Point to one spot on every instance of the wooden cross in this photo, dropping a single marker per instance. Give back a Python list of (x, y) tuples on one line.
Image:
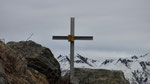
[(71, 38)]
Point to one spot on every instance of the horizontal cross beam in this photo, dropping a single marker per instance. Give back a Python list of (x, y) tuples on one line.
[(83, 37), (60, 37), (75, 37)]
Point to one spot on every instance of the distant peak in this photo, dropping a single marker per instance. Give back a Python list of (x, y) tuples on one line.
[(134, 57)]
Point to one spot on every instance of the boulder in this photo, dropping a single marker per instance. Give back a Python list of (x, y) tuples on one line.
[(39, 58), (99, 76), (14, 70)]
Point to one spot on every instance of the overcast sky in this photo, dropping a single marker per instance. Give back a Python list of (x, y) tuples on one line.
[(121, 28)]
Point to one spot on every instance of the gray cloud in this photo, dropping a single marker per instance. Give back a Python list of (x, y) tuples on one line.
[(120, 26)]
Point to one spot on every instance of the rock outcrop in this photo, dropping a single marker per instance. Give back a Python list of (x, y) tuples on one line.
[(39, 58), (14, 70), (99, 76), (27, 62)]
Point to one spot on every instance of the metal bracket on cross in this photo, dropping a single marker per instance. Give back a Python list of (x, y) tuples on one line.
[(71, 38)]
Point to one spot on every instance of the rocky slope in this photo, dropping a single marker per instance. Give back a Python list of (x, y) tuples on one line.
[(135, 68), (27, 62), (99, 76)]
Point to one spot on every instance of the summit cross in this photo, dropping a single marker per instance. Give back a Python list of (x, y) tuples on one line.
[(71, 38)]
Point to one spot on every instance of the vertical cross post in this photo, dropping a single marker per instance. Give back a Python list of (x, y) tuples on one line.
[(72, 50)]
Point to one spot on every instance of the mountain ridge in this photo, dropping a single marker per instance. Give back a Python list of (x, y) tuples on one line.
[(135, 68)]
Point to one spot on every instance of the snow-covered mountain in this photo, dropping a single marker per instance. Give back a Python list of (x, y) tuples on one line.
[(136, 68)]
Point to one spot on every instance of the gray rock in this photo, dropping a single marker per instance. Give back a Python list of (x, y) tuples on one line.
[(39, 58), (3, 81), (99, 76), (2, 71)]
